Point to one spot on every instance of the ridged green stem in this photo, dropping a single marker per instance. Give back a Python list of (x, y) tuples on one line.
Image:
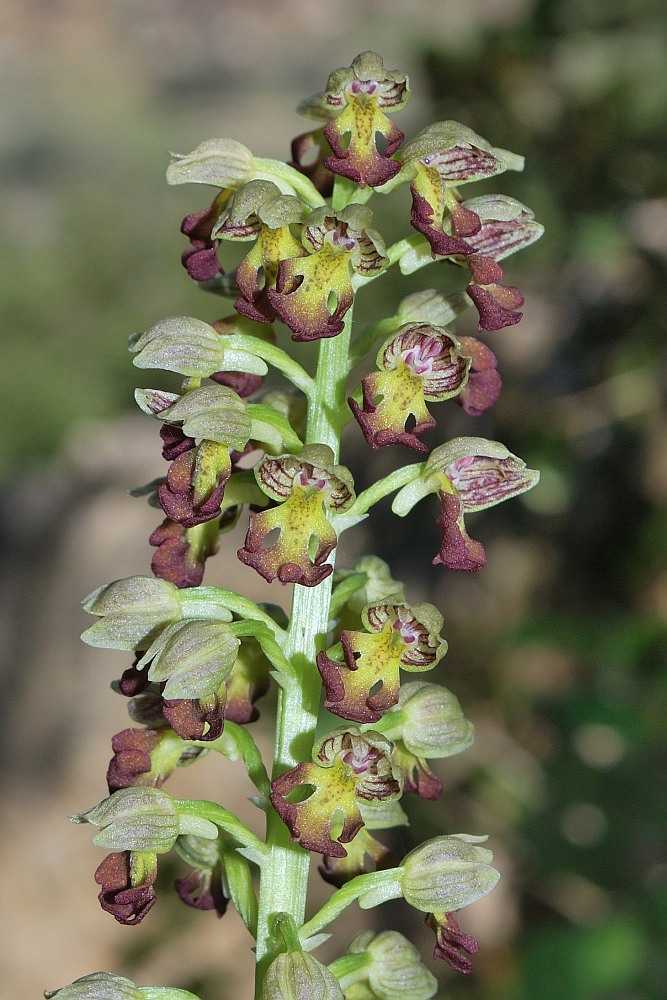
[(284, 876)]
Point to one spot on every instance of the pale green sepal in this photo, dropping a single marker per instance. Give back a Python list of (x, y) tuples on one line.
[(429, 720), (512, 161), (430, 306), (311, 943), (136, 595), (165, 993), (415, 256), (212, 413), (252, 854), (128, 632), (297, 975), (224, 163), (132, 612), (273, 429), (134, 819), (395, 970), (193, 657), (234, 360), (410, 495), (96, 986), (446, 873), (179, 344), (288, 180), (381, 888), (154, 401), (196, 826)]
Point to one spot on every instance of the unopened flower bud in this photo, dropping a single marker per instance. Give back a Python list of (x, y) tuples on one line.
[(142, 819), (105, 986), (131, 612), (96, 986), (447, 873), (297, 975), (394, 969), (430, 721), (193, 657)]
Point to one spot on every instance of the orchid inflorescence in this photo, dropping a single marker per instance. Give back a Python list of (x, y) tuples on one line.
[(204, 656)]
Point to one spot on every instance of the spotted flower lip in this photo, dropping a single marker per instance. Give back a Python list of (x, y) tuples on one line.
[(398, 637), (442, 157), (307, 486), (348, 768), (260, 211), (314, 291), (467, 474), (420, 362), (355, 104)]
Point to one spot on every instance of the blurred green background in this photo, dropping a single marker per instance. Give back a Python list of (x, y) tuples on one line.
[(557, 651)]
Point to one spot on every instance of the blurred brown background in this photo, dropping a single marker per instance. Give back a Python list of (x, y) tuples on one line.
[(556, 649)]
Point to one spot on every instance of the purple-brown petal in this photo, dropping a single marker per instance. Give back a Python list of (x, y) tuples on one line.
[(127, 903), (451, 942), (457, 550), (189, 717), (484, 382), (132, 757), (202, 890)]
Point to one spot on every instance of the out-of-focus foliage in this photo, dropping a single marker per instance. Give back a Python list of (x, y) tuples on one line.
[(579, 684)]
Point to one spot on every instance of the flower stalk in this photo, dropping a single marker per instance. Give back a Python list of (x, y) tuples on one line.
[(204, 656)]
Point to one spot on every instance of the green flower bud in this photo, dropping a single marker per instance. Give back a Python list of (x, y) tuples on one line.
[(131, 611), (142, 819), (299, 976), (96, 986), (190, 347), (224, 163), (193, 657), (430, 721), (394, 968), (105, 986), (447, 873)]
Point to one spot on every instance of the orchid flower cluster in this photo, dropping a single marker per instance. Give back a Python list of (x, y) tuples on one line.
[(352, 740)]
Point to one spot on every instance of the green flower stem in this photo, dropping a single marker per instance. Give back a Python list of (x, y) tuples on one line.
[(273, 356), (227, 821), (348, 894), (284, 878), (389, 484), (205, 602), (237, 741), (396, 250), (346, 966)]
